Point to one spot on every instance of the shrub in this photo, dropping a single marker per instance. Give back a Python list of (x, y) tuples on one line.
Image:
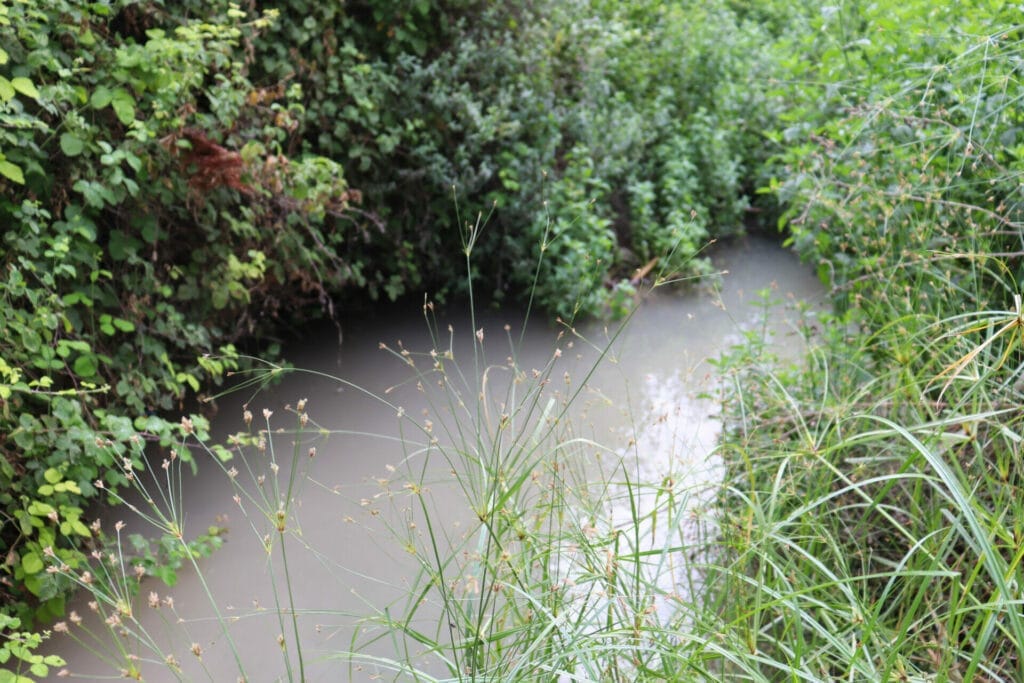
[(151, 222)]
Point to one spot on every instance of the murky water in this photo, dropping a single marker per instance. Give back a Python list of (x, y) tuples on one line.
[(352, 518)]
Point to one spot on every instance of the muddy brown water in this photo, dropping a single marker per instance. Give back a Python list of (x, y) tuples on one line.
[(350, 518)]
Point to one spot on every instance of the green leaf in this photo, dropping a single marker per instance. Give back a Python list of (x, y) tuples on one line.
[(25, 87), (71, 144), (122, 245), (39, 669), (85, 366), (6, 90), (124, 106), (31, 563), (52, 475), (11, 171), (3, 56), (40, 509), (100, 97)]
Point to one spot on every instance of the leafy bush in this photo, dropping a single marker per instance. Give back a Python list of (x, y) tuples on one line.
[(622, 118), (135, 250)]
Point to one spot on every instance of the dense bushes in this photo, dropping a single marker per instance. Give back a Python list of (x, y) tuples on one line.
[(151, 221), (616, 133)]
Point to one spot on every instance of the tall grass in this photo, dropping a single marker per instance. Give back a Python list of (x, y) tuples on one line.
[(871, 522)]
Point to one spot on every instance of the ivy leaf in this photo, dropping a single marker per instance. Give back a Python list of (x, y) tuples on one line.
[(71, 144)]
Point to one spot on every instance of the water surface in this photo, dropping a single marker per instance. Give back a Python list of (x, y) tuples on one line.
[(352, 517)]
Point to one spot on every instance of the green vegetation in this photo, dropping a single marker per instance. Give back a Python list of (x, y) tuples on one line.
[(181, 179)]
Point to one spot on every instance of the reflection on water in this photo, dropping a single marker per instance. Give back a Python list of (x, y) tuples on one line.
[(354, 520)]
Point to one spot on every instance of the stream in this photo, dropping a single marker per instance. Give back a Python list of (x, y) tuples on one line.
[(639, 410)]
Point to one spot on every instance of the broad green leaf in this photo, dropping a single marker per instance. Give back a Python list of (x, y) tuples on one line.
[(124, 325), (124, 106), (32, 563), (12, 172), (3, 56), (100, 97), (40, 509), (6, 90), (52, 475), (85, 366), (25, 87), (71, 144)]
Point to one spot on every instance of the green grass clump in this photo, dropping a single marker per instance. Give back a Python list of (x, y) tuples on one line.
[(872, 518)]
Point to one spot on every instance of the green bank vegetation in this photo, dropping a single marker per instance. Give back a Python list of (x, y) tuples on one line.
[(182, 179)]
